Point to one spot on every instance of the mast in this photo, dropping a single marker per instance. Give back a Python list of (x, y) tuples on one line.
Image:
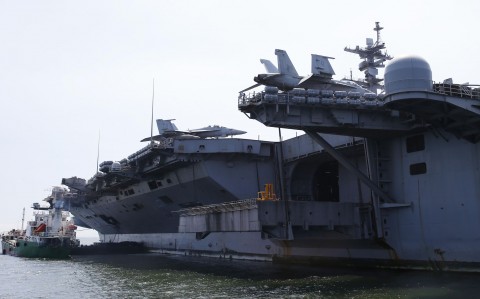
[(98, 151), (373, 59), (23, 218), (151, 120), (377, 29)]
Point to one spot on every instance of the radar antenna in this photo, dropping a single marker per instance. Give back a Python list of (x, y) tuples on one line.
[(373, 59), (377, 28), (151, 119), (98, 152)]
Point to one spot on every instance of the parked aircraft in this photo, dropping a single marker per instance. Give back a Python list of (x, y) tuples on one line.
[(286, 78), (167, 129)]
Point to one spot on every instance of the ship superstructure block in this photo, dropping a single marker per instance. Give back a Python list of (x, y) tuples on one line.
[(411, 103)]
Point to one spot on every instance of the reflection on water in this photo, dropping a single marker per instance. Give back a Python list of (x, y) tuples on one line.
[(160, 276)]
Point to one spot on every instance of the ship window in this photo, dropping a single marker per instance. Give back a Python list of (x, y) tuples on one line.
[(152, 185), (159, 183), (415, 143), (169, 181), (418, 168), (130, 191), (25, 244)]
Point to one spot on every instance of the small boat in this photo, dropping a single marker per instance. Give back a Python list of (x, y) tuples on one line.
[(50, 235)]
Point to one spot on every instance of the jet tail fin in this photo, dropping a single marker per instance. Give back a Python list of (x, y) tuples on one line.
[(321, 65), (285, 65), (269, 66), (164, 125)]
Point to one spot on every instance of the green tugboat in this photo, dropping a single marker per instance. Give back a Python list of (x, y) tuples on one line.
[(50, 235)]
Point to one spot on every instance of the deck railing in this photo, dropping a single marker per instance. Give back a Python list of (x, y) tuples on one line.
[(221, 207), (458, 90)]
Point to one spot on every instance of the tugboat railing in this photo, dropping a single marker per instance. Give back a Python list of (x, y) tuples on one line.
[(54, 235)]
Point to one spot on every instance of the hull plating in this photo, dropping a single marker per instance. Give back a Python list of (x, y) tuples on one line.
[(34, 250), (251, 246)]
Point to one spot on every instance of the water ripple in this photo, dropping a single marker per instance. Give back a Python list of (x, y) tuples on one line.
[(158, 276)]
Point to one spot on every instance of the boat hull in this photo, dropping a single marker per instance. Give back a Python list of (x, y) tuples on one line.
[(32, 249)]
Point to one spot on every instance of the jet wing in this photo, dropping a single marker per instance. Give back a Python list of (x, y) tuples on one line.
[(174, 133), (251, 87), (165, 134), (313, 81), (156, 138)]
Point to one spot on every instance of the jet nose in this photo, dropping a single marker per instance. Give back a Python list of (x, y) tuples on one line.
[(239, 132)]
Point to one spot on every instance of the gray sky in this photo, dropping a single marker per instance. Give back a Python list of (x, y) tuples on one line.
[(69, 69)]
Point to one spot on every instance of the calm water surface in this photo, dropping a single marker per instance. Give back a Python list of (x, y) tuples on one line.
[(161, 276)]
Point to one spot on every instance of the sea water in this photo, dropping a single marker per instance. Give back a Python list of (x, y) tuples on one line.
[(156, 275)]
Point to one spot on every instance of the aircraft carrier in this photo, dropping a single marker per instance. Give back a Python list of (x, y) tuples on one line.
[(386, 175)]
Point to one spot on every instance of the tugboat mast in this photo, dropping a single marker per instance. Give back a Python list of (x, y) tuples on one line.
[(373, 58), (23, 219)]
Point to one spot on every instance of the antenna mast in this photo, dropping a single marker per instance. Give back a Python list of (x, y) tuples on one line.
[(151, 121), (23, 219), (373, 58), (98, 151), (378, 28)]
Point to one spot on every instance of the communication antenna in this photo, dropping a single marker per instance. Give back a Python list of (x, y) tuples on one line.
[(98, 151), (23, 218), (151, 120), (373, 58), (377, 29)]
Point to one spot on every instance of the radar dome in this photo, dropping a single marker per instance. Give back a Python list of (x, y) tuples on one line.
[(408, 73)]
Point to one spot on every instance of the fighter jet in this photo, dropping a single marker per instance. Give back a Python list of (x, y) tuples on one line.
[(167, 129), (286, 78)]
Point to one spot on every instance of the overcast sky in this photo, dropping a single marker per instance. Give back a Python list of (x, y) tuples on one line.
[(72, 69)]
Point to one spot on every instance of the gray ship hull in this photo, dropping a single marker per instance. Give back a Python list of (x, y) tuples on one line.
[(396, 186), (329, 222)]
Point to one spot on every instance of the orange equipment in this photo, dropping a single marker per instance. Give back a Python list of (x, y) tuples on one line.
[(268, 194)]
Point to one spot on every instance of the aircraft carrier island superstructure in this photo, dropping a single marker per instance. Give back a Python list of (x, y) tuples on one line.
[(388, 179)]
